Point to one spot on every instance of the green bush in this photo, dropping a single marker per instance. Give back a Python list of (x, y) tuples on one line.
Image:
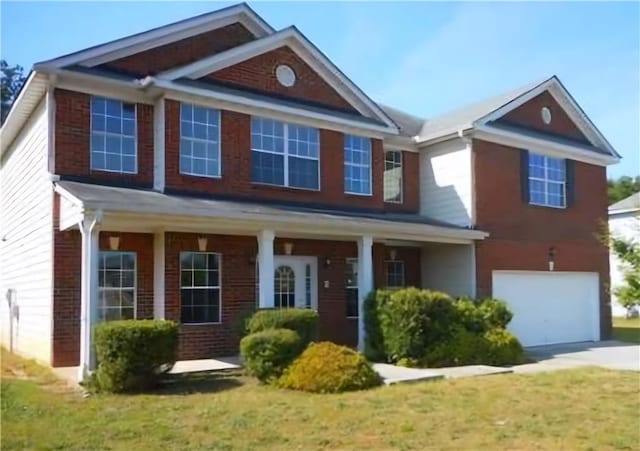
[(374, 304), (302, 321), (329, 368), (133, 354), (267, 353), (415, 319), (483, 315), (503, 348)]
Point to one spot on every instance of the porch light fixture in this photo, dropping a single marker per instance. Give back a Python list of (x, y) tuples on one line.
[(393, 254), (552, 258), (327, 262), (114, 243), (288, 248), (202, 243)]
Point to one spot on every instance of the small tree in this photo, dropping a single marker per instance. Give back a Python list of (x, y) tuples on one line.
[(628, 251)]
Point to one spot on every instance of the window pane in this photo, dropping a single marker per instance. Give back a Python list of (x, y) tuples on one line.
[(113, 134), (357, 164), (267, 168), (303, 173), (546, 180), (200, 281), (116, 285), (199, 146)]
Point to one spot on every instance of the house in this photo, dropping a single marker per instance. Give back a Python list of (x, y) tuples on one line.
[(198, 170), (624, 223)]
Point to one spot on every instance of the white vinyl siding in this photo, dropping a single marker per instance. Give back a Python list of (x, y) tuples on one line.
[(449, 268), (625, 226), (446, 182), (26, 228)]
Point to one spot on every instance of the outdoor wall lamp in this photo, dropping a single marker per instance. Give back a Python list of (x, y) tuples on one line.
[(202, 243), (393, 253), (114, 243), (288, 248), (327, 262), (552, 258)]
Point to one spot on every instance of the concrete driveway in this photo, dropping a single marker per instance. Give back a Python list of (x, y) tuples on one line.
[(613, 355)]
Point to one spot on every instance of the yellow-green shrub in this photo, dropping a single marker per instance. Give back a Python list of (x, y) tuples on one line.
[(329, 368)]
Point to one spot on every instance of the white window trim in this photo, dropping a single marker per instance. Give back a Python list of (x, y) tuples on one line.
[(135, 280), (547, 180), (386, 274), (193, 174), (285, 153), (353, 261), (360, 165), (135, 137), (401, 176), (219, 287)]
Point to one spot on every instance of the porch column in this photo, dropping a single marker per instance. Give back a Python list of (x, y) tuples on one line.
[(365, 281), (265, 268), (89, 229), (158, 274)]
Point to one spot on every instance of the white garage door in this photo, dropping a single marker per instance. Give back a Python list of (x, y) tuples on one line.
[(550, 307)]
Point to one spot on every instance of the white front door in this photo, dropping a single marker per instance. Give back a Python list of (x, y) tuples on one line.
[(295, 282)]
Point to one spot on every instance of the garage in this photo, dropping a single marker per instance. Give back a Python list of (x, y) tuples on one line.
[(550, 307)]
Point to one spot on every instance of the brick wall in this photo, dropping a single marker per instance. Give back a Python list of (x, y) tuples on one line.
[(258, 74), (521, 234), (185, 51), (529, 116), (72, 141)]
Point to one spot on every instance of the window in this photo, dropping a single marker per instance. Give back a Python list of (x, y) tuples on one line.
[(199, 287), (351, 286), (284, 290), (113, 135), (285, 154), (199, 141), (357, 165), (393, 176), (116, 286), (395, 273), (547, 181)]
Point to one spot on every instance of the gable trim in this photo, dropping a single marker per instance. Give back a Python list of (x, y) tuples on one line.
[(566, 102), (292, 38), (163, 35)]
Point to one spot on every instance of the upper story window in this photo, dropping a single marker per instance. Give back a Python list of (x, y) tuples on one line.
[(393, 176), (285, 154), (357, 165), (113, 136), (547, 181), (199, 141)]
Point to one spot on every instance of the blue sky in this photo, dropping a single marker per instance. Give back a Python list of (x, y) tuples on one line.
[(424, 58)]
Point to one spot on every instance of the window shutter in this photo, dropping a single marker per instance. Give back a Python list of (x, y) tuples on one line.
[(570, 182), (524, 175)]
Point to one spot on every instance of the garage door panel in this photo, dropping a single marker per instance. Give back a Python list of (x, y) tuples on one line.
[(550, 307)]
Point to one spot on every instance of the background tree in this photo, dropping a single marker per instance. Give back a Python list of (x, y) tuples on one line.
[(628, 251), (11, 80), (622, 187)]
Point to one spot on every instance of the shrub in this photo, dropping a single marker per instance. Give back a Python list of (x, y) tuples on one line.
[(267, 353), (483, 315), (374, 304), (415, 319), (302, 321), (503, 348), (329, 368), (133, 354)]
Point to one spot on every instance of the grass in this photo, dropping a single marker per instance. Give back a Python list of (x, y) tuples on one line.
[(575, 409), (626, 329)]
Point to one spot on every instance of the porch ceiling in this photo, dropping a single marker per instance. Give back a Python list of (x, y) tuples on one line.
[(126, 209)]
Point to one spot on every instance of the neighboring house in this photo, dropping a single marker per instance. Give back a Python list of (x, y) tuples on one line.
[(201, 169), (624, 223)]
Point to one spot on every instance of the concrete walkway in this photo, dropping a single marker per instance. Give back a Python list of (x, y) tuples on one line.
[(195, 366)]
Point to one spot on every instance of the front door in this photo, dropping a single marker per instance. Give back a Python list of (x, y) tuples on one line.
[(295, 282)]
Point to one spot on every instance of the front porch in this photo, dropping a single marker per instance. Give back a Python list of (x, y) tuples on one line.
[(208, 272)]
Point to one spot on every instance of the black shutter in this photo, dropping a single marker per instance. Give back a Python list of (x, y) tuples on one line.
[(524, 175), (570, 182)]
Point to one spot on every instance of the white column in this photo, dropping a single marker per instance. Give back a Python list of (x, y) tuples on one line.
[(89, 229), (265, 268), (365, 281), (158, 275)]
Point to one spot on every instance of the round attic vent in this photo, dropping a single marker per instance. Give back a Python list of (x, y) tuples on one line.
[(546, 115), (285, 75)]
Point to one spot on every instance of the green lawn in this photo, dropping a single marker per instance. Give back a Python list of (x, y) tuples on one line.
[(626, 329), (581, 409)]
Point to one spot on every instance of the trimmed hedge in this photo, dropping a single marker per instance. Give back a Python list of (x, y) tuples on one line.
[(329, 368), (483, 314), (302, 321), (267, 353), (133, 354), (374, 304)]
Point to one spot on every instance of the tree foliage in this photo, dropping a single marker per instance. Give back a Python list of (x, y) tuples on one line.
[(628, 251), (11, 80), (622, 187)]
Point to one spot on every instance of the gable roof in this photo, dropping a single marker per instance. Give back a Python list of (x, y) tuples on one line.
[(302, 47), (163, 35), (408, 124), (631, 203)]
